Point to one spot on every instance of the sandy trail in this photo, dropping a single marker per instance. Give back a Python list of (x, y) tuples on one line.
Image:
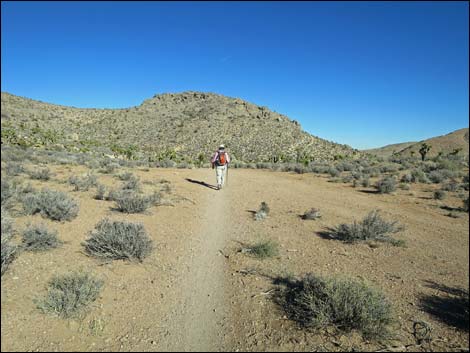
[(197, 322)]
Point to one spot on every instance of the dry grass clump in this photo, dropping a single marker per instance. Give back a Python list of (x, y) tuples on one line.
[(8, 251), (118, 240), (53, 204), (263, 249), (69, 294), (347, 304), (263, 211), (311, 214), (372, 227), (39, 238)]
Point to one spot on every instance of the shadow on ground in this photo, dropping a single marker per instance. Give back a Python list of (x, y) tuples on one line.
[(451, 307), (201, 183)]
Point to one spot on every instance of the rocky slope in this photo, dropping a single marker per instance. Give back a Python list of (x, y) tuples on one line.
[(445, 144), (186, 126)]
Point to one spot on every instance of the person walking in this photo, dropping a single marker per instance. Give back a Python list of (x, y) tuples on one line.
[(220, 162)]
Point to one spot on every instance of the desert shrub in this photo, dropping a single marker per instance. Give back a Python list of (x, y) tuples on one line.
[(40, 174), (38, 238), (389, 168), (53, 204), (8, 251), (372, 227), (125, 176), (436, 176), (345, 166), (69, 294), (313, 213), (451, 185), (347, 304), (347, 179), (404, 186), (133, 183), (7, 192), (131, 202), (83, 183), (386, 185), (365, 182), (14, 168), (333, 172), (100, 192), (118, 240), (263, 211), (439, 195), (465, 183), (7, 225), (448, 164), (418, 176), (264, 249), (406, 178)]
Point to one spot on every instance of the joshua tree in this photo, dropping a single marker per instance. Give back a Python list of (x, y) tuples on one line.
[(424, 150)]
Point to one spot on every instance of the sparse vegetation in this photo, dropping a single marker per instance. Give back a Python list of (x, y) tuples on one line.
[(131, 202), (263, 211), (439, 195), (40, 174), (118, 240), (263, 249), (53, 204), (8, 253), (39, 237), (372, 227), (69, 294), (317, 302), (313, 213)]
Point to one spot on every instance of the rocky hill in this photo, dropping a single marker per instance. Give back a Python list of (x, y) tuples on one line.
[(185, 126), (445, 144)]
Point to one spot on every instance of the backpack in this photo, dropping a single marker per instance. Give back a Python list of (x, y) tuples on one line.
[(221, 158)]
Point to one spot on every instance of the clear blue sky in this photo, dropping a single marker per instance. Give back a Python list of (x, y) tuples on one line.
[(362, 73)]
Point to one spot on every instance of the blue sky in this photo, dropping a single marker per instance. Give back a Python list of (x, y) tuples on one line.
[(362, 73)]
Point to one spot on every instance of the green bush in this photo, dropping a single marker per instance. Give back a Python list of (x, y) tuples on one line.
[(264, 249), (118, 240), (69, 294), (38, 238), (347, 304), (55, 205)]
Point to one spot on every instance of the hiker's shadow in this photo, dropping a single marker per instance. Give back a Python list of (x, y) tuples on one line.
[(201, 183)]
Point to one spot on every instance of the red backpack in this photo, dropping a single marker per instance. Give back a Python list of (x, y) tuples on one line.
[(221, 158)]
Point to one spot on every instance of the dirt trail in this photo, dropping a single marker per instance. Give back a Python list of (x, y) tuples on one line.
[(198, 320)]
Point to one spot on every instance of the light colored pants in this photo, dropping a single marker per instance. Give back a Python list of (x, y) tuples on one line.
[(221, 172)]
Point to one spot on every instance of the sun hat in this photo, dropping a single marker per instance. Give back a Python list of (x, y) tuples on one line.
[(221, 147)]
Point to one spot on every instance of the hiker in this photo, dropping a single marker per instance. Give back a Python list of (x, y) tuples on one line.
[(220, 162)]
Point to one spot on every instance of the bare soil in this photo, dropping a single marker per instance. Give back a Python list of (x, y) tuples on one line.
[(197, 292)]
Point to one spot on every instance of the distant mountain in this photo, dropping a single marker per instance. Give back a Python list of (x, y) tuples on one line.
[(445, 144), (183, 126)]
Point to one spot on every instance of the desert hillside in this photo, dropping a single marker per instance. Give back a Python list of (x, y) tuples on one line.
[(185, 127), (445, 144)]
